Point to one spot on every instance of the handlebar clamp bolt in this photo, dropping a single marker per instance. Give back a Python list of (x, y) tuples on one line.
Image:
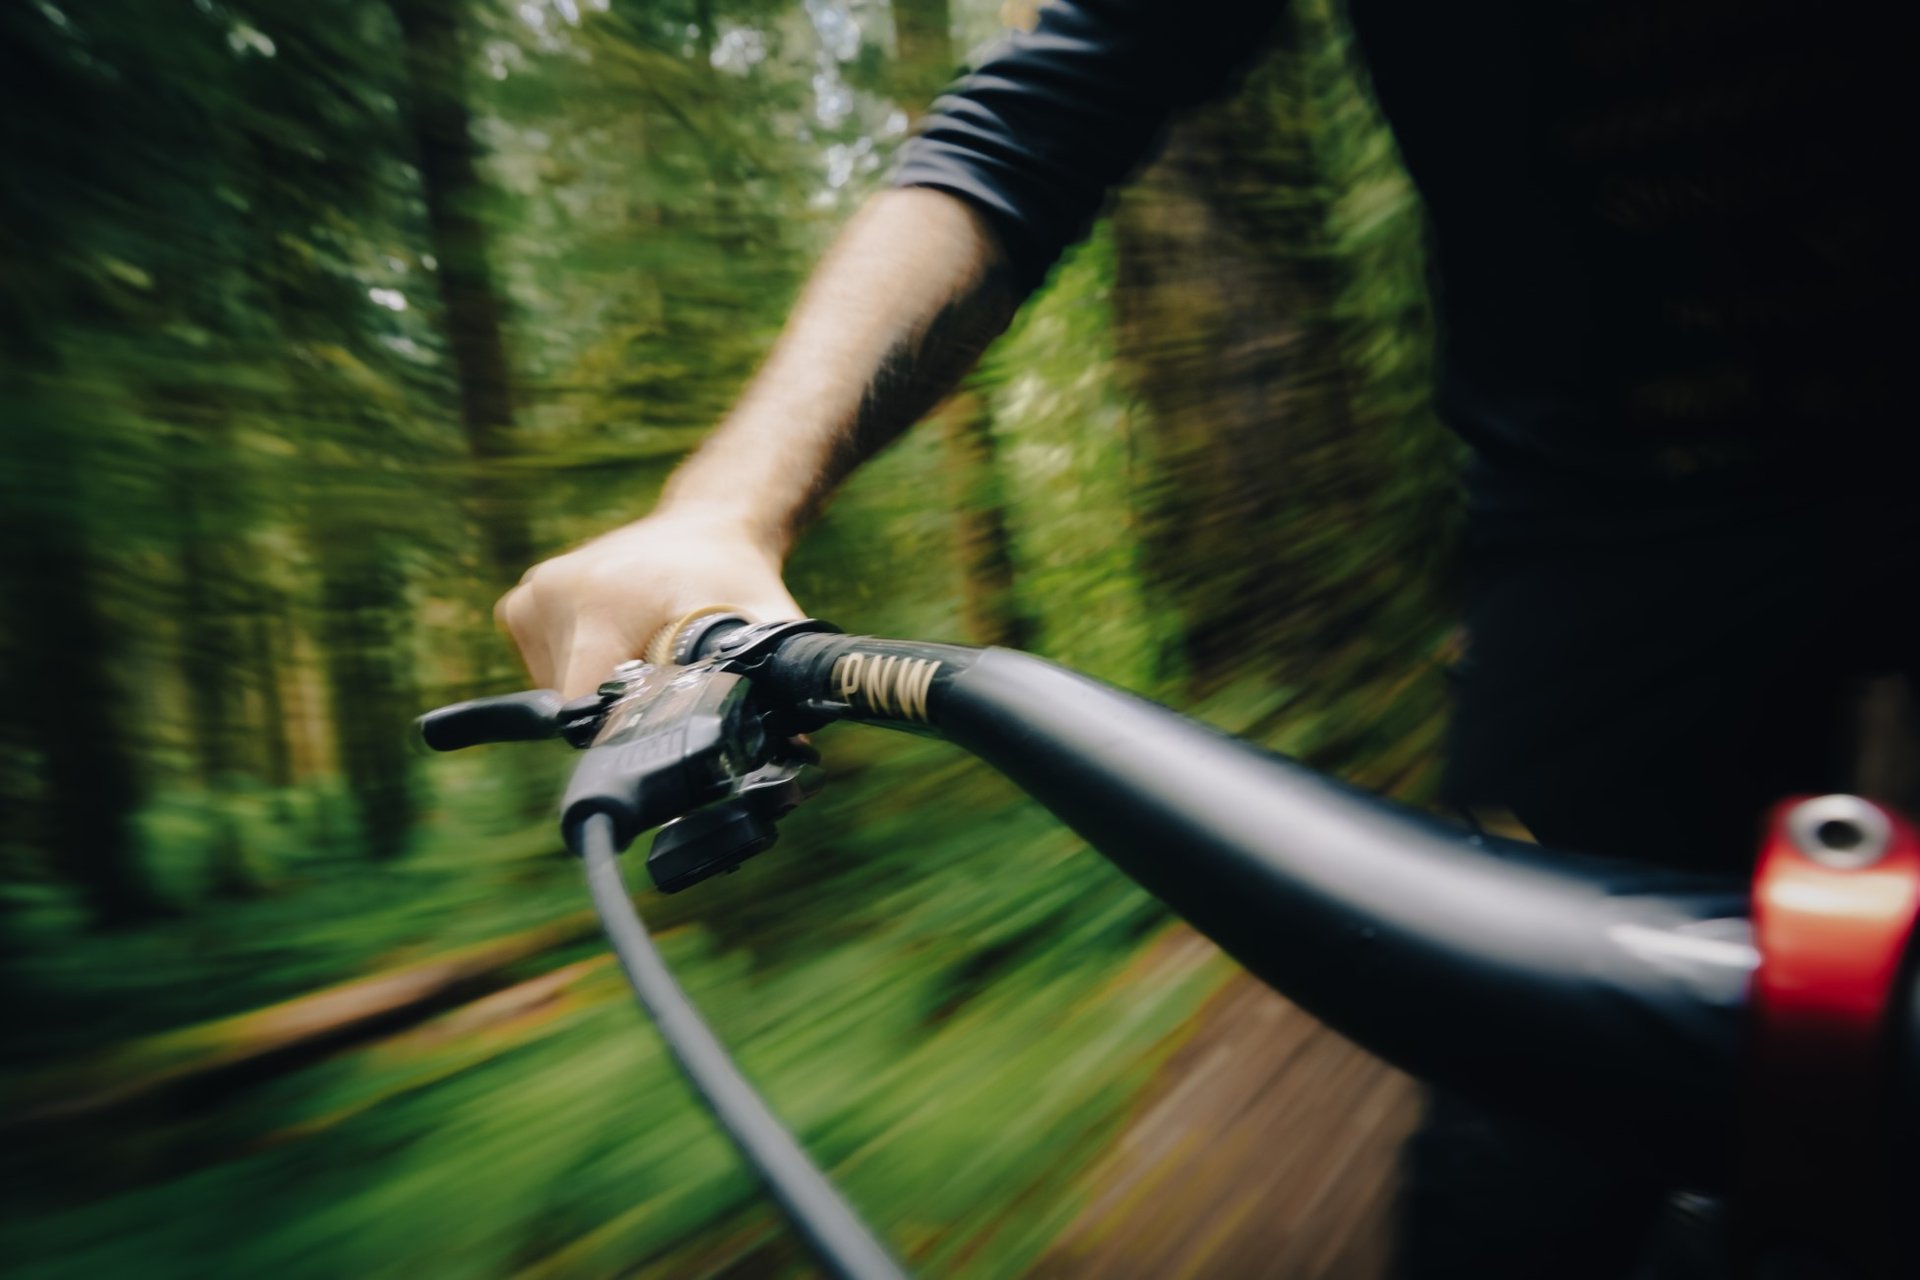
[(1843, 832)]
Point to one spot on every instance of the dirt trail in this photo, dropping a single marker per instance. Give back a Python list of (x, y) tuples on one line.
[(1264, 1148)]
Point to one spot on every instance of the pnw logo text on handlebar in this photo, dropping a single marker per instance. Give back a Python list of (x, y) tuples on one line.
[(885, 684)]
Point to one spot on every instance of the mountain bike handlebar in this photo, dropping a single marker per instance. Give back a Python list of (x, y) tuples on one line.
[(1589, 994)]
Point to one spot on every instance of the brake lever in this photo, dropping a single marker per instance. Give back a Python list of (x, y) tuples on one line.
[(528, 716), (531, 715), (682, 747)]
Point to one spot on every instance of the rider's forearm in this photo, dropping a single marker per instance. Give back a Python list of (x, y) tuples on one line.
[(901, 308)]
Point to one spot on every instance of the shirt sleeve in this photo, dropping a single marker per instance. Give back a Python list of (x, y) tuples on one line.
[(1054, 118)]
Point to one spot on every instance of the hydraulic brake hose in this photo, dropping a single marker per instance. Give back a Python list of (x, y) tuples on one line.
[(838, 1239)]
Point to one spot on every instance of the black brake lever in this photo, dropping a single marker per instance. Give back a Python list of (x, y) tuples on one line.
[(530, 716), (682, 745)]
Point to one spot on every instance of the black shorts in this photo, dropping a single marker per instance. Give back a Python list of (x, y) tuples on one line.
[(1646, 685)]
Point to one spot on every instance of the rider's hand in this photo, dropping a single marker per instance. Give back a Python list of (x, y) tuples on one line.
[(577, 616)]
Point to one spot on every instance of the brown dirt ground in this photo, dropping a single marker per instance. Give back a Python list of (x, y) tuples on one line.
[(1265, 1148)]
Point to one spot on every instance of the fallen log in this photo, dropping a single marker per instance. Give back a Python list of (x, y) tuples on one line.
[(185, 1069)]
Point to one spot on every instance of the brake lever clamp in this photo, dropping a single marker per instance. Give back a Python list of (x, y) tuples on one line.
[(718, 838), (669, 743), (665, 741), (746, 651)]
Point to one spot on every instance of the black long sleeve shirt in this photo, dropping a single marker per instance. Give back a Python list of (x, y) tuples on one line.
[(1671, 239)]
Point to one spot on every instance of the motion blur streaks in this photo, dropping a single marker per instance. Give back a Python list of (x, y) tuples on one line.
[(319, 322)]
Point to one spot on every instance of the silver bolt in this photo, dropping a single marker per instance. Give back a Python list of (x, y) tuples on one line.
[(1840, 831)]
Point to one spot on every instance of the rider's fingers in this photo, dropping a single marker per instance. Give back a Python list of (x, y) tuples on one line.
[(596, 650), (515, 614)]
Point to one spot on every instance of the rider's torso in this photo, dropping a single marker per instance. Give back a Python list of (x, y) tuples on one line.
[(1673, 259), (1669, 235)]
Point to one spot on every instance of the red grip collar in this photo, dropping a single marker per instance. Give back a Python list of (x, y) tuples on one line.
[(1835, 897)]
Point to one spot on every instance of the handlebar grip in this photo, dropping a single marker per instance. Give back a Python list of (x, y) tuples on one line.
[(510, 717)]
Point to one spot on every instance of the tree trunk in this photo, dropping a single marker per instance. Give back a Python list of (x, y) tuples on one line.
[(989, 602), (923, 63), (1220, 314), (1231, 300), (1272, 315), (472, 307), (364, 637), (269, 661), (61, 690), (923, 58), (215, 599), (473, 312)]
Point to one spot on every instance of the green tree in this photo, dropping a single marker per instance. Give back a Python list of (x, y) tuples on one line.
[(472, 307), (1272, 315)]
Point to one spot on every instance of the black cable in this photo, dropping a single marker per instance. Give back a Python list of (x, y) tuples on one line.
[(838, 1239)]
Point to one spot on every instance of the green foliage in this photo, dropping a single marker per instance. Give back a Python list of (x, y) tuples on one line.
[(245, 521), (1072, 454)]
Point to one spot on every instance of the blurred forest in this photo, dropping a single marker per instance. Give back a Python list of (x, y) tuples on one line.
[(320, 322)]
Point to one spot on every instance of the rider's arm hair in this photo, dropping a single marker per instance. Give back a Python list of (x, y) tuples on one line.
[(900, 309), (1007, 170)]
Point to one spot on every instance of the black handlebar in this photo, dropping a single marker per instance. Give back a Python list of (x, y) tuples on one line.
[(1587, 993), (1590, 995)]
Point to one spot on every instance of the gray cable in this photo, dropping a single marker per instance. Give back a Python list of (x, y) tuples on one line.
[(838, 1239)]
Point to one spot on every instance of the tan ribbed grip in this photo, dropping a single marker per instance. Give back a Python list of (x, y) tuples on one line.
[(659, 650)]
